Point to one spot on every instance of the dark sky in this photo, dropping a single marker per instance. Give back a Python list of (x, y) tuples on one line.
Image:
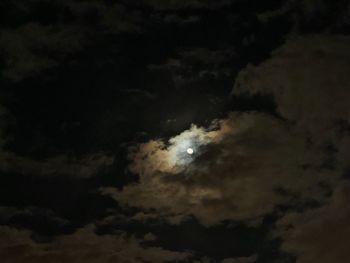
[(101, 99)]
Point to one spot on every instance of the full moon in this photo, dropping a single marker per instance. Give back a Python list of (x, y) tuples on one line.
[(190, 151)]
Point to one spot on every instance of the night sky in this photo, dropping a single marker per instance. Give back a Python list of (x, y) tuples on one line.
[(190, 131)]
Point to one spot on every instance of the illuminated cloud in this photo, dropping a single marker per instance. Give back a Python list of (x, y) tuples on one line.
[(172, 157), (235, 176), (321, 235), (251, 163)]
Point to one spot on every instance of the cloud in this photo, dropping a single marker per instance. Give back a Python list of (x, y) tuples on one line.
[(84, 245), (7, 214), (156, 156), (149, 237), (176, 19), (250, 259), (86, 166), (118, 19), (320, 235), (249, 163), (6, 119), (183, 4), (312, 15), (244, 168), (32, 48), (322, 14), (309, 81), (195, 64), (62, 165)]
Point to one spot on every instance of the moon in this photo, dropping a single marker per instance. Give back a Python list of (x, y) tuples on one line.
[(190, 151)]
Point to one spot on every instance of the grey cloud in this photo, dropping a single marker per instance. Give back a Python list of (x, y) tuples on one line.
[(250, 163), (286, 7), (8, 213), (208, 56), (27, 49), (61, 165), (319, 15), (235, 177), (189, 65), (323, 13), (118, 19), (183, 4), (149, 237), (6, 119), (312, 8), (31, 48), (16, 246), (309, 79), (176, 19), (250, 259), (84, 167), (320, 235), (138, 92)]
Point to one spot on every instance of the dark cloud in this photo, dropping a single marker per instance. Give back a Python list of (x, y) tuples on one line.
[(82, 246), (43, 222), (176, 19), (320, 235), (61, 165), (33, 48), (250, 259), (196, 64), (229, 260), (310, 16), (102, 99), (10, 214), (84, 167), (237, 240), (309, 82), (183, 4), (6, 119), (36, 45)]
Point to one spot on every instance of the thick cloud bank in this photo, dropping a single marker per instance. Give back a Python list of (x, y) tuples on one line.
[(250, 163), (309, 80), (82, 246)]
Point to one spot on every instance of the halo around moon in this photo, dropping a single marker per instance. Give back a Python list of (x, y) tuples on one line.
[(190, 151)]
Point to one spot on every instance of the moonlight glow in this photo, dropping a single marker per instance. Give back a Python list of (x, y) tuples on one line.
[(190, 151)]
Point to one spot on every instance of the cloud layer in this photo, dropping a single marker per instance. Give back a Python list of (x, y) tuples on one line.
[(82, 246), (234, 178), (260, 161), (320, 235)]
